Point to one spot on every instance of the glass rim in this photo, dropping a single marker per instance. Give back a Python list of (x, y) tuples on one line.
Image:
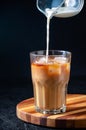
[(37, 52)]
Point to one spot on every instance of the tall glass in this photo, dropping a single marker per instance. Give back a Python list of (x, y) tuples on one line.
[(50, 77)]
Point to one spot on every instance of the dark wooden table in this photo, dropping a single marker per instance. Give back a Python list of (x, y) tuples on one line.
[(74, 117)]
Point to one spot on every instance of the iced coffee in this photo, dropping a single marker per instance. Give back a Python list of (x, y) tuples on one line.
[(50, 80)]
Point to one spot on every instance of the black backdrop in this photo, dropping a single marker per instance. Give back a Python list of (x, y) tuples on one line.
[(23, 29)]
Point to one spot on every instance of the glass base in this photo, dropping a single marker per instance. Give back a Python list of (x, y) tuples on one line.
[(55, 111)]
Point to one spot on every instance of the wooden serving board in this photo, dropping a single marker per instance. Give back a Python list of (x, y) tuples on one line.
[(74, 117)]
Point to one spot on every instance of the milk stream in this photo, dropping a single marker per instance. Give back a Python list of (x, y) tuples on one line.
[(49, 15), (47, 47)]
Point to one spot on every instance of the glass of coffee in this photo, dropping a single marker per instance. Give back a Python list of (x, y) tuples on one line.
[(50, 76)]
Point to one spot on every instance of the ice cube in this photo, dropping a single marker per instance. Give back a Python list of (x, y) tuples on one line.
[(41, 60), (60, 59)]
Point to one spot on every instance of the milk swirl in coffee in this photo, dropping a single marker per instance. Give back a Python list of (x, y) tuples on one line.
[(50, 82)]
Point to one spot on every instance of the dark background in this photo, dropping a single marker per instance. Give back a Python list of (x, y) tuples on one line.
[(22, 30)]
